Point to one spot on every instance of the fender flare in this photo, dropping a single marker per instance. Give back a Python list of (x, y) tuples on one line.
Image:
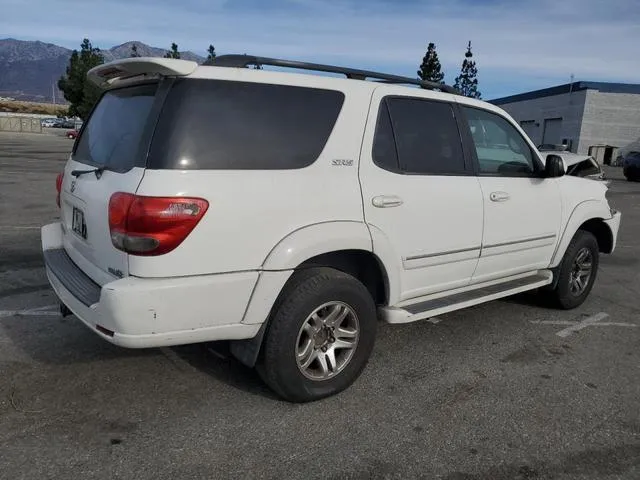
[(280, 263), (293, 250), (583, 212), (316, 239)]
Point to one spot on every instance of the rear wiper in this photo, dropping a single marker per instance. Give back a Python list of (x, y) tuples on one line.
[(97, 171)]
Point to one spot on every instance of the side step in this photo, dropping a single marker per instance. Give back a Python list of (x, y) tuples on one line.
[(437, 306)]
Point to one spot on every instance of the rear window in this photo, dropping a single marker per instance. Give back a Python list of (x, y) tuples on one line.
[(217, 124), (116, 135)]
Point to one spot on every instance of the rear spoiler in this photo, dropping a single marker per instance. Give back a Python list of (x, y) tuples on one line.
[(108, 74)]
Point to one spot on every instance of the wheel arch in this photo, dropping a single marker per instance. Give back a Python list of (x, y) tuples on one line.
[(590, 216), (344, 246)]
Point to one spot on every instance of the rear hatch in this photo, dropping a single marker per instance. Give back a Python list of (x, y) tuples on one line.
[(109, 156)]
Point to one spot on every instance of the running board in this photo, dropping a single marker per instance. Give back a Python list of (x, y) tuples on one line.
[(437, 306)]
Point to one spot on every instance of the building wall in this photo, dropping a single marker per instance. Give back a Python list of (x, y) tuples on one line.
[(611, 119), (534, 112)]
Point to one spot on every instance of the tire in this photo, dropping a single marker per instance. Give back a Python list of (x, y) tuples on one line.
[(285, 337), (565, 295)]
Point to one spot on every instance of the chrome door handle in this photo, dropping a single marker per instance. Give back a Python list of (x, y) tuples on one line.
[(499, 196), (386, 201)]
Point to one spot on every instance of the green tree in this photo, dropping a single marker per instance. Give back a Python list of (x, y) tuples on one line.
[(467, 81), (430, 69), (78, 91), (211, 53), (134, 51), (173, 53)]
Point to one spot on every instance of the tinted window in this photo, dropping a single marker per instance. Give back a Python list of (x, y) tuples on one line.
[(384, 145), (501, 150), (115, 136), (214, 124), (427, 136)]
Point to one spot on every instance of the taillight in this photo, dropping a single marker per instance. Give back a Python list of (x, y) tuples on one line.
[(152, 225), (59, 179)]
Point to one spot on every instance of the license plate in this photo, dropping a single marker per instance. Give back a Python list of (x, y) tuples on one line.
[(77, 223)]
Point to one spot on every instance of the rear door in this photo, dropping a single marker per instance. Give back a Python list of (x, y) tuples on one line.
[(421, 198), (109, 156)]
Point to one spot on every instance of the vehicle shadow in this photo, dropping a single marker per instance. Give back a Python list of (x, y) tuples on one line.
[(532, 298), (54, 340), (215, 360)]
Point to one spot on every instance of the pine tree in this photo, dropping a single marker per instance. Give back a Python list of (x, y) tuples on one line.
[(430, 69), (77, 89), (212, 53), (173, 53), (467, 82), (134, 51)]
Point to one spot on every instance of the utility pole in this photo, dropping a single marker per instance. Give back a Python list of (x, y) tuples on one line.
[(53, 92)]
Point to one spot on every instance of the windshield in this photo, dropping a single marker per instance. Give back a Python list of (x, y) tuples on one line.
[(115, 135)]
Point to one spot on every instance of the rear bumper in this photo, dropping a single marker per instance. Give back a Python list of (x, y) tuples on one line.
[(139, 313)]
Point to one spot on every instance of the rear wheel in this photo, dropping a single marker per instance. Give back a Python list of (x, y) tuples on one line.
[(320, 336), (577, 271)]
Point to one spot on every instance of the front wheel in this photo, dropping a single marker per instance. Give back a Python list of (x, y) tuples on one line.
[(320, 336), (577, 271)]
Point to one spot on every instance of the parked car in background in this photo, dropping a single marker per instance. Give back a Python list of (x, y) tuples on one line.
[(48, 122), (579, 165), (631, 166)]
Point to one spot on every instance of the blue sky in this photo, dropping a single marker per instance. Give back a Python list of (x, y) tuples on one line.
[(517, 45)]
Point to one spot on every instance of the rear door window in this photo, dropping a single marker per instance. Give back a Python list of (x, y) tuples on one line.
[(427, 138), (116, 135), (385, 154), (217, 124)]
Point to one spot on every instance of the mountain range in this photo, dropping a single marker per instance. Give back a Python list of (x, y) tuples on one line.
[(29, 70)]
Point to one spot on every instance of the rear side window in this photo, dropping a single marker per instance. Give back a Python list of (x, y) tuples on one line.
[(216, 124), (115, 135), (426, 136)]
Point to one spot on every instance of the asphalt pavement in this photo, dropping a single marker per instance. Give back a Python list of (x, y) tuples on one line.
[(498, 391)]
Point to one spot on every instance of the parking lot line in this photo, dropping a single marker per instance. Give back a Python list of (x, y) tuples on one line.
[(592, 321), (20, 227), (31, 312)]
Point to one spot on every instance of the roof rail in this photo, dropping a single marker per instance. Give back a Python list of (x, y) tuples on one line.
[(243, 61)]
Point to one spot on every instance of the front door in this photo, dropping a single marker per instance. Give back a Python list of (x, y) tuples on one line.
[(421, 199), (522, 209)]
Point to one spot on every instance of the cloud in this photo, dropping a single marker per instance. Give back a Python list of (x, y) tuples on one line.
[(517, 45)]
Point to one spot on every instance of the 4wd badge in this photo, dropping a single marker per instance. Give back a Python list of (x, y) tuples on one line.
[(342, 163)]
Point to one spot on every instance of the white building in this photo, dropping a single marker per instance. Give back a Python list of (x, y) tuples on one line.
[(589, 117)]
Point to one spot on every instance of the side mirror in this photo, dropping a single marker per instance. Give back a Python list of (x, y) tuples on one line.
[(554, 166)]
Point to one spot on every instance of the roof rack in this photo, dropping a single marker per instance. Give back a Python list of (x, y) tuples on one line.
[(243, 61)]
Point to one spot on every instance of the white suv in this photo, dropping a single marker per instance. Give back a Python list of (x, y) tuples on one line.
[(287, 212)]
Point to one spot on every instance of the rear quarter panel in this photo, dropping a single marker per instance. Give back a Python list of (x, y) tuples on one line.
[(251, 211)]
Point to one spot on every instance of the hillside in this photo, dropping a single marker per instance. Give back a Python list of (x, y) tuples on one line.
[(29, 70)]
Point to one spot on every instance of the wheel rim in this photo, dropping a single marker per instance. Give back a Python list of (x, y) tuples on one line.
[(327, 341), (581, 271)]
